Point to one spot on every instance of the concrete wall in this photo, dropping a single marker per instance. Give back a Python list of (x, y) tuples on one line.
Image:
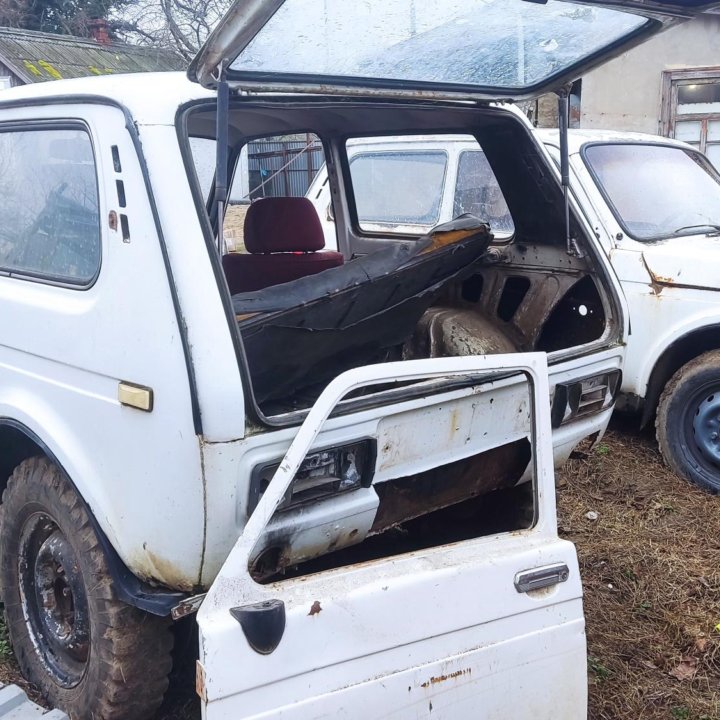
[(625, 94)]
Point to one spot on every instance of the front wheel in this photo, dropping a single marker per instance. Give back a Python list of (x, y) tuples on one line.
[(88, 653), (688, 421)]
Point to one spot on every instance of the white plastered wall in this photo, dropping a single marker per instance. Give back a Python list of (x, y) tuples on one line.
[(626, 93)]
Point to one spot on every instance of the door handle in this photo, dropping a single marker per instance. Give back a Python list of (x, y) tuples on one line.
[(542, 577)]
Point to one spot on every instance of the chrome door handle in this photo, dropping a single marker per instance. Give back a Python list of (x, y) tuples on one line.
[(542, 577)]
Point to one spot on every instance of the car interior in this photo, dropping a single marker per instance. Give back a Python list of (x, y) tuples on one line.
[(352, 306)]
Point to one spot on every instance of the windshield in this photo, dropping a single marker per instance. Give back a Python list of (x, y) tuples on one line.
[(491, 43), (657, 191)]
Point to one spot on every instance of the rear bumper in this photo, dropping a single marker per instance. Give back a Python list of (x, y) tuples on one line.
[(567, 437)]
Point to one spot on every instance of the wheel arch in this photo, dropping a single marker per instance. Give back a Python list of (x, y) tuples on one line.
[(681, 351), (18, 443)]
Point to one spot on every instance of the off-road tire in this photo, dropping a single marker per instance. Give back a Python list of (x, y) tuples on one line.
[(126, 656), (687, 423)]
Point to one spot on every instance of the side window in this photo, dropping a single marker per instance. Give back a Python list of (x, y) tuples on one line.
[(477, 192), (398, 189), (49, 221)]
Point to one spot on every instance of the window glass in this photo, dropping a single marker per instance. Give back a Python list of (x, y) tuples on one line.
[(657, 192), (5, 83), (203, 153), (398, 190), (49, 222), (698, 98), (477, 192), (499, 43), (713, 153), (689, 131)]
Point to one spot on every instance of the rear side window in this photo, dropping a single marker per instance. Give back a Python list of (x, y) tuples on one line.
[(49, 220), (399, 190), (477, 192)]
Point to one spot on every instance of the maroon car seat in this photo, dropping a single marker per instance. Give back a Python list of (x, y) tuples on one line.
[(283, 239)]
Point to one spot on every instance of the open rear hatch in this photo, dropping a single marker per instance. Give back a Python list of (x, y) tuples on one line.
[(481, 49)]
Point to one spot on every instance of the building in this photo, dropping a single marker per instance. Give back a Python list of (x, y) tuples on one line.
[(27, 56), (668, 86)]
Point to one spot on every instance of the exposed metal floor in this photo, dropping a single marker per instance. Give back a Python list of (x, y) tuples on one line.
[(15, 705)]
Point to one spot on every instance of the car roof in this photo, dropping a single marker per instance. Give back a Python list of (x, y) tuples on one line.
[(152, 98), (580, 137)]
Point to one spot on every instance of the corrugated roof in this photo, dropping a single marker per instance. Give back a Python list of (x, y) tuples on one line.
[(36, 56)]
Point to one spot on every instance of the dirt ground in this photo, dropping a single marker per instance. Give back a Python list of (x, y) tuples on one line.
[(650, 563)]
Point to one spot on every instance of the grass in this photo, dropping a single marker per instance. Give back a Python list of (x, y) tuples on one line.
[(651, 574)]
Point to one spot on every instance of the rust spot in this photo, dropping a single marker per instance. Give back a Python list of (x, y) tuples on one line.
[(152, 567), (663, 280), (200, 681), (444, 678), (315, 608), (353, 533), (113, 220)]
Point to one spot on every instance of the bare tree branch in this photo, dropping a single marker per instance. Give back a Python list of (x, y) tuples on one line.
[(182, 25)]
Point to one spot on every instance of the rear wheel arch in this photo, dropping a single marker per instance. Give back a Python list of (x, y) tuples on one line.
[(678, 353), (18, 443)]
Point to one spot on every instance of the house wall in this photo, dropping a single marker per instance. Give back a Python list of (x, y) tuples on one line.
[(626, 93), (5, 72)]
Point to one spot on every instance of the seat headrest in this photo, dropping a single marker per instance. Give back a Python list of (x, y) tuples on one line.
[(287, 224)]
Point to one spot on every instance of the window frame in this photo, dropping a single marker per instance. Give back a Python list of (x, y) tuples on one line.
[(672, 80), (39, 125)]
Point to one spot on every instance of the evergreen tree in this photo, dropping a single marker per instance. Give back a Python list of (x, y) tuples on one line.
[(65, 17)]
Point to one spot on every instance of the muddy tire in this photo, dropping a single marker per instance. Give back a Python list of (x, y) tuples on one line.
[(87, 652), (688, 421)]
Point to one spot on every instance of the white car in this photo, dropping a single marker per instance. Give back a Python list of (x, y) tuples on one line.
[(177, 421), (655, 205), (660, 237)]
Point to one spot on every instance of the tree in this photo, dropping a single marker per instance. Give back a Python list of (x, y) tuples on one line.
[(65, 17), (182, 25)]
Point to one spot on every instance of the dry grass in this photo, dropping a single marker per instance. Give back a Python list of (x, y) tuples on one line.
[(651, 572)]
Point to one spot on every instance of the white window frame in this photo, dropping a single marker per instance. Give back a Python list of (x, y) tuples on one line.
[(5, 82), (672, 80)]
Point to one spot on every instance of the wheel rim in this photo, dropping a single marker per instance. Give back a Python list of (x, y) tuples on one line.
[(705, 425), (54, 601)]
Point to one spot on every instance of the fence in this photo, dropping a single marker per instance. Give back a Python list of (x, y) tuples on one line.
[(283, 168)]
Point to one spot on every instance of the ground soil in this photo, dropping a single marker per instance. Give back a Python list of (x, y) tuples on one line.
[(650, 561), (650, 564)]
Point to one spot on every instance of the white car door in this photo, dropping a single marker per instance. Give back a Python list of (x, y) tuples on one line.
[(490, 627)]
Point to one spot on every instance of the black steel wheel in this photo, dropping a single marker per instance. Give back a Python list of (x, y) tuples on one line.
[(88, 653), (688, 421)]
